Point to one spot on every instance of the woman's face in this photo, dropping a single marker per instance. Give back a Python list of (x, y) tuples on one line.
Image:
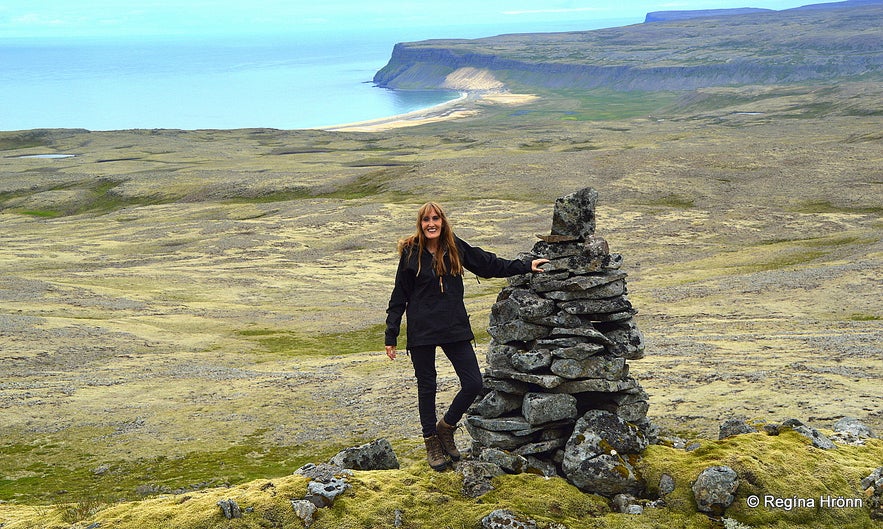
[(431, 224)]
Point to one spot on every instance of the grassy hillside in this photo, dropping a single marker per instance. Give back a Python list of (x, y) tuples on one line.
[(182, 310)]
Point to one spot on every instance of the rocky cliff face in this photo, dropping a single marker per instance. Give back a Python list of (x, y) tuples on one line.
[(759, 48)]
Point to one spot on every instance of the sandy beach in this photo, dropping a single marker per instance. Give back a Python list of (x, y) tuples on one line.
[(468, 104), (477, 88)]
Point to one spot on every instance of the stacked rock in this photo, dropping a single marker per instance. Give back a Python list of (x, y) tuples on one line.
[(557, 381)]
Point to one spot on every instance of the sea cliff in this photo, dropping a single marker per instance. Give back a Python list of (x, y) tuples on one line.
[(798, 45)]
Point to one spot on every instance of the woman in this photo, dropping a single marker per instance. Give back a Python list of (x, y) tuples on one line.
[(429, 289)]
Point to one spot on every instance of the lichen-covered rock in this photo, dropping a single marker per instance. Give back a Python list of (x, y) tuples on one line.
[(505, 519), (517, 331), (593, 367), (305, 510), (873, 487), (230, 509), (323, 494), (715, 488), (596, 306), (850, 430), (605, 474), (477, 476), (600, 432), (819, 440), (732, 427), (532, 361), (541, 408), (497, 403), (574, 214), (509, 462), (593, 457), (376, 455)]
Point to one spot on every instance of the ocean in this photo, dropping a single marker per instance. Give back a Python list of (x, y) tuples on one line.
[(278, 81)]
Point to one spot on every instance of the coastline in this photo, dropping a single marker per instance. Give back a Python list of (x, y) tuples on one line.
[(443, 111), (464, 106)]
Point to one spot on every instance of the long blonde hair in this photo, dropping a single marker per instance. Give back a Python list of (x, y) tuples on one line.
[(446, 243)]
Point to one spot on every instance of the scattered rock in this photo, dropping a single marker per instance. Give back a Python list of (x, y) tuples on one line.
[(376, 455), (627, 504), (304, 509), (505, 519), (477, 476), (714, 490), (323, 472), (507, 461), (819, 440), (230, 509), (324, 494), (873, 487), (851, 431), (732, 427), (666, 485)]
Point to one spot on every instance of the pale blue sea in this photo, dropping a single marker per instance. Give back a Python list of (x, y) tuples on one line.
[(284, 82)]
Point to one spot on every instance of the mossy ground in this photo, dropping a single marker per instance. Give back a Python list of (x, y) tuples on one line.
[(784, 466), (175, 300)]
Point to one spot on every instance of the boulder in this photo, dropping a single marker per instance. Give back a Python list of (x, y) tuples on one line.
[(592, 456), (605, 474), (477, 476), (850, 430), (715, 488), (323, 494), (230, 509), (305, 510), (732, 427), (505, 519), (376, 455), (819, 440)]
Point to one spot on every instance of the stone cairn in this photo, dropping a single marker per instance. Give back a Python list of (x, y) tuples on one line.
[(558, 390)]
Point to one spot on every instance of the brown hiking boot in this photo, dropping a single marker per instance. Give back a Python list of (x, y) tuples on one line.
[(446, 436), (435, 454)]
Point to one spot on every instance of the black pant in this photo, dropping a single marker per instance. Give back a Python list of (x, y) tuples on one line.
[(462, 357)]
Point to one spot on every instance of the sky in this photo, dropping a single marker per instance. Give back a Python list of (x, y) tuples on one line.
[(132, 18)]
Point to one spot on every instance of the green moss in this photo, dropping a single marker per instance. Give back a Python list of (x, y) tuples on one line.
[(291, 343), (864, 317), (784, 466), (72, 477), (42, 213), (671, 200), (825, 206)]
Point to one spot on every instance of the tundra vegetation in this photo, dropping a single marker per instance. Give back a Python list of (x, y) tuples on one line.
[(188, 316)]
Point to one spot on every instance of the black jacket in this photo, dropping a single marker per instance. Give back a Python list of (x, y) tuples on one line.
[(435, 309)]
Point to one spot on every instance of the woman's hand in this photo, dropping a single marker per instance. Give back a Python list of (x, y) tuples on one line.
[(391, 352), (536, 263)]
